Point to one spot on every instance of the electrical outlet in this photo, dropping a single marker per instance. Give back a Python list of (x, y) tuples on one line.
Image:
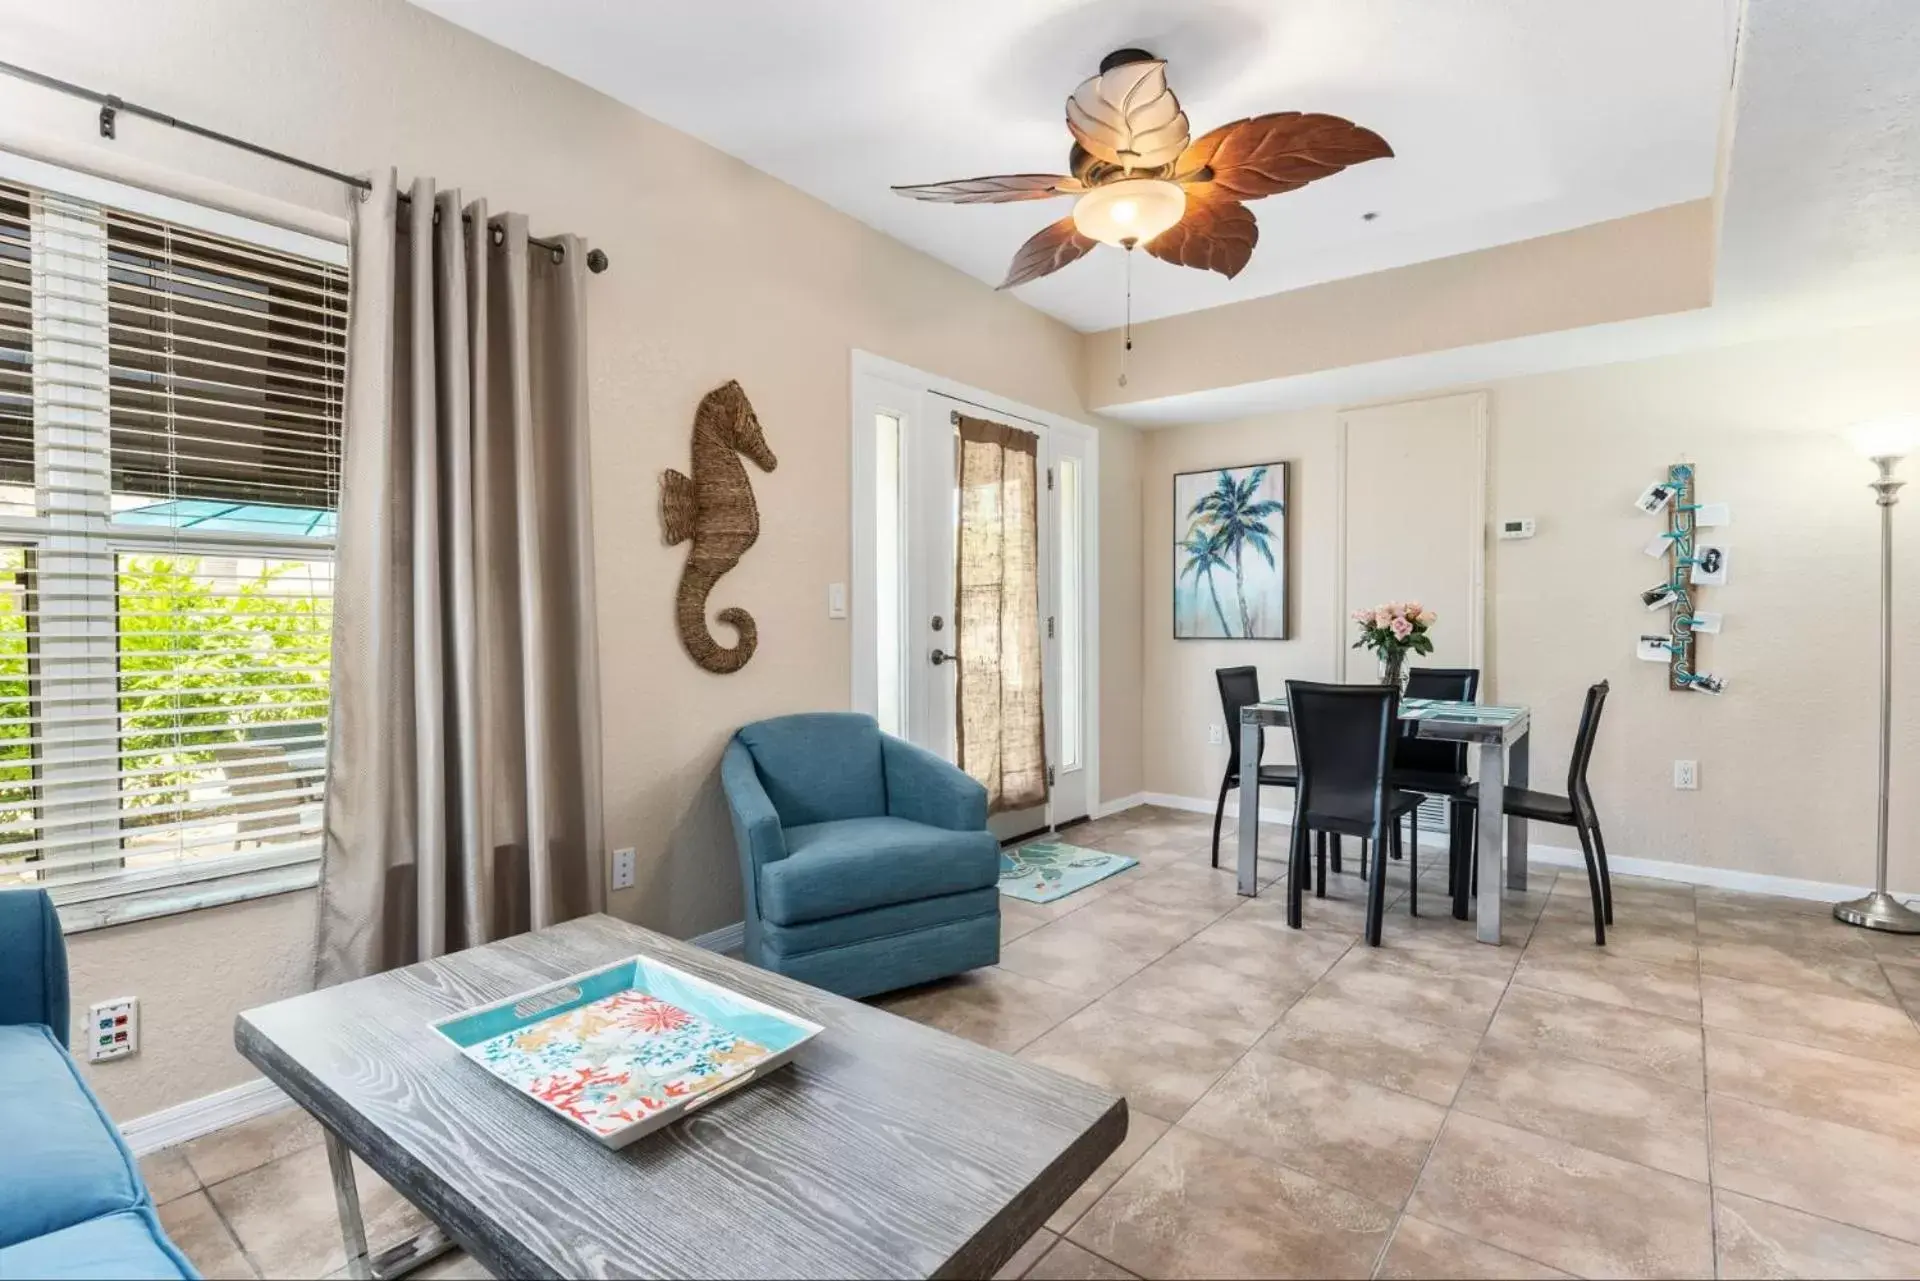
[(1216, 734), (1686, 776), (113, 1028), (623, 869)]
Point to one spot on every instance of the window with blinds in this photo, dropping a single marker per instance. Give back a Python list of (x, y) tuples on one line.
[(170, 402)]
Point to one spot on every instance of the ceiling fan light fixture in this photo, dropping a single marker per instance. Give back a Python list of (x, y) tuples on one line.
[(1141, 180), (1129, 212)]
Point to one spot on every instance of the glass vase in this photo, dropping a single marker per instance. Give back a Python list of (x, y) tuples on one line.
[(1393, 671)]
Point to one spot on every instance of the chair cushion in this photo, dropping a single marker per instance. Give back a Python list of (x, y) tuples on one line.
[(819, 766), (61, 1161), (880, 922), (1541, 806), (1358, 822), (124, 1246), (855, 864)]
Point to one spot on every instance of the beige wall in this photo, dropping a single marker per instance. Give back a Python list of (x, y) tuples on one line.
[(1787, 755), (1181, 696), (192, 974), (718, 272), (1649, 264)]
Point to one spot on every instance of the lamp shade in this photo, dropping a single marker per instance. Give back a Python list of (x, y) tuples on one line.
[(1129, 212), (1895, 436)]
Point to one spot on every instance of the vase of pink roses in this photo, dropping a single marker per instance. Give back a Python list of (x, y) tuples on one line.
[(1392, 631)]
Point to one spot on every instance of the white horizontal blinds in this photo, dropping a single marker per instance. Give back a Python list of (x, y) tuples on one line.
[(226, 376), (163, 711), (16, 353)]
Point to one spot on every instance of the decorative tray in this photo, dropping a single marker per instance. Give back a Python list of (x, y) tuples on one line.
[(625, 1049)]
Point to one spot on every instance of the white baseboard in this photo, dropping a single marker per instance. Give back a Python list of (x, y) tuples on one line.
[(204, 1115), (1268, 813), (728, 938), (1723, 878), (1117, 804)]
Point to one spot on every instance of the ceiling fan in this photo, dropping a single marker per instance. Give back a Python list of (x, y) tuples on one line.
[(1143, 181)]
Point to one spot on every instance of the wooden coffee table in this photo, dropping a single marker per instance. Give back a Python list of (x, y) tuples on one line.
[(885, 1149)]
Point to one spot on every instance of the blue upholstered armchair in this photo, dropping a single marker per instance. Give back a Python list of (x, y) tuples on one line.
[(71, 1200), (866, 861)]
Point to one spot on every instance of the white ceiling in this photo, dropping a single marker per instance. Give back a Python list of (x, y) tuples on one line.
[(1823, 183), (1510, 118)]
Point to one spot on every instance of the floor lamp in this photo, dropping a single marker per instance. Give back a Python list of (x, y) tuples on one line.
[(1884, 441)]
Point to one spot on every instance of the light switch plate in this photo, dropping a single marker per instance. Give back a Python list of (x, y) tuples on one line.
[(623, 869), (836, 600), (113, 1028)]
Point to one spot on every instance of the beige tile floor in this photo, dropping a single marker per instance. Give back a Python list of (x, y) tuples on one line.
[(1731, 1087)]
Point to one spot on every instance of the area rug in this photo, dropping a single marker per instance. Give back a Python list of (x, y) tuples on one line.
[(1042, 871)]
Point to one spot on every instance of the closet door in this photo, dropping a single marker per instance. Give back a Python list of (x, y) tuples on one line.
[(1413, 482)]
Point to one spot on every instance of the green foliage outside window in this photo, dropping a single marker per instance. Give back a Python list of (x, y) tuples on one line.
[(205, 662)]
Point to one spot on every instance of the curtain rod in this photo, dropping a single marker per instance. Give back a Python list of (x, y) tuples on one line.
[(111, 105), (988, 409)]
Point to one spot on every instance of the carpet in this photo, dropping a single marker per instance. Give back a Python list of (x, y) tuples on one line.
[(1042, 871)]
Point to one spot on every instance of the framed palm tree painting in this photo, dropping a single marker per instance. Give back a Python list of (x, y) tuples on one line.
[(1230, 553)]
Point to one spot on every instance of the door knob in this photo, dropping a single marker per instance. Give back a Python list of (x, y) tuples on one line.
[(939, 657)]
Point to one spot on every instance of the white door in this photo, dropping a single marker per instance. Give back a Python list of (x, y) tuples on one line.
[(906, 514), (1413, 524)]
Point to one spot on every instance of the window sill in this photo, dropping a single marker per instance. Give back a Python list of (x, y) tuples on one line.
[(172, 900)]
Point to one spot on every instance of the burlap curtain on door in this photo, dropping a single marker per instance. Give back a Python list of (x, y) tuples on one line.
[(463, 796), (1001, 730)]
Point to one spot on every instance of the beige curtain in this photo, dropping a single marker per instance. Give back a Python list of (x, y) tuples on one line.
[(463, 794), (1002, 731)]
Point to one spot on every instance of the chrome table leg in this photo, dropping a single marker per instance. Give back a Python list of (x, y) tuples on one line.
[(393, 1262)]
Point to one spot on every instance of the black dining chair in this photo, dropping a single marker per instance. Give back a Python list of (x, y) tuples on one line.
[(1240, 688), (1344, 738), (1430, 766), (1575, 810), (1434, 767)]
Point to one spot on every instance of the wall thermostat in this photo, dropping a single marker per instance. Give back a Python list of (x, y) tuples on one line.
[(1522, 528)]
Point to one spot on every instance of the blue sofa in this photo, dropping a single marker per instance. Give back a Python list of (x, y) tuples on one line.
[(71, 1200), (866, 861)]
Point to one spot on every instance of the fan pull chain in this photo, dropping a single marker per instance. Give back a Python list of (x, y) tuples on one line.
[(1127, 349)]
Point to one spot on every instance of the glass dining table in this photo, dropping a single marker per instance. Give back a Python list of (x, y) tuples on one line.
[(1499, 734)]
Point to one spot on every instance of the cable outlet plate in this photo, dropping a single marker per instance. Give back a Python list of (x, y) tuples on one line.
[(113, 1028)]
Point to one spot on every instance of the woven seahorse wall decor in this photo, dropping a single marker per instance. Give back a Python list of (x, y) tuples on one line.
[(714, 508)]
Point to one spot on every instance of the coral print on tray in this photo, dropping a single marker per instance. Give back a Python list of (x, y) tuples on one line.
[(618, 1060)]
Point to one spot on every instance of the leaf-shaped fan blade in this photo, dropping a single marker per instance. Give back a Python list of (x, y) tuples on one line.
[(1128, 117), (998, 189), (1266, 155), (1217, 233), (1053, 248)]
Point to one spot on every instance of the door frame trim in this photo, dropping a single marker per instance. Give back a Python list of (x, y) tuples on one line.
[(871, 377), (1477, 551)]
